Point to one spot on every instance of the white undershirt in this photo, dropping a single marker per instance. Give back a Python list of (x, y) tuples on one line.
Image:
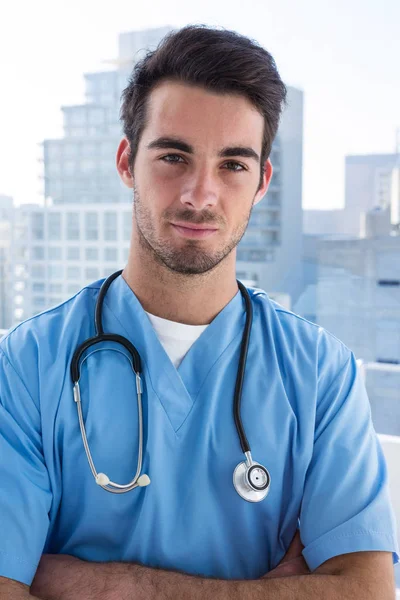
[(176, 338)]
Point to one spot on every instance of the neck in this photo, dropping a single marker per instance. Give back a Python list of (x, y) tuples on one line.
[(188, 299)]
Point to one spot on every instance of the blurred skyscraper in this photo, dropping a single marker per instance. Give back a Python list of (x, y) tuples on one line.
[(6, 228), (371, 180), (358, 290)]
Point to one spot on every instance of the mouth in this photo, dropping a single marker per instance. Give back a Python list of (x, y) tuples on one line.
[(192, 230)]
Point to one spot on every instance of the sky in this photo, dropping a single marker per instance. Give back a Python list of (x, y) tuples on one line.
[(343, 54)]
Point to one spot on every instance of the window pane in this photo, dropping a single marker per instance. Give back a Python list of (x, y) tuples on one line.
[(73, 272), (54, 253), (37, 271), (91, 226), (37, 253), (55, 271), (73, 226), (110, 254), (92, 273), (39, 301), (110, 226), (55, 288), (37, 223), (127, 225), (92, 254), (72, 288), (54, 226), (73, 253)]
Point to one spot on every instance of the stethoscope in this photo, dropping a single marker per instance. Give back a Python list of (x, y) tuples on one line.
[(251, 480)]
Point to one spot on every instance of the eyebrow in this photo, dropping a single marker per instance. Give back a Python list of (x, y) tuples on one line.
[(177, 144)]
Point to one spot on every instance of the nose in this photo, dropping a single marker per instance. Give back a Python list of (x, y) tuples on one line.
[(201, 190)]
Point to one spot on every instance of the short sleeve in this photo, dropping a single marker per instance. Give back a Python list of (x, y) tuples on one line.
[(25, 496), (345, 505)]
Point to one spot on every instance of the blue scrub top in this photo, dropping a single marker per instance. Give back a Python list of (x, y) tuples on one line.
[(304, 409)]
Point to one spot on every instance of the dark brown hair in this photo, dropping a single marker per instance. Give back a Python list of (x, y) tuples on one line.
[(221, 61)]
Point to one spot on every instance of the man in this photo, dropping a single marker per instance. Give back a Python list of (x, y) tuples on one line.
[(200, 114)]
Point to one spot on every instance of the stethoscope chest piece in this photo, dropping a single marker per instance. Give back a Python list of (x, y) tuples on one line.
[(252, 482)]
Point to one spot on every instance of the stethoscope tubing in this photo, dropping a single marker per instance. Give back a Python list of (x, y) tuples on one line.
[(242, 474)]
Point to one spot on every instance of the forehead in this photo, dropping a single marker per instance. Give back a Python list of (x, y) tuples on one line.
[(202, 118)]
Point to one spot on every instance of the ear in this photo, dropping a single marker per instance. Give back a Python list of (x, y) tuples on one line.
[(122, 162), (268, 170)]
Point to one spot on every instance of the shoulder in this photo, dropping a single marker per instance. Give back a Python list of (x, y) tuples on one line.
[(295, 334), (48, 333)]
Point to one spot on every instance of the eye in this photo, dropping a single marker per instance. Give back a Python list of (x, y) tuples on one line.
[(233, 166), (171, 158)]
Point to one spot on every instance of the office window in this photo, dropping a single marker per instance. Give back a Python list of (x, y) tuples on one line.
[(87, 165), (20, 270), (108, 271), (54, 226), (69, 149), (37, 224), (54, 253), (110, 254), (73, 229), (73, 253), (110, 226), (37, 271), (21, 253), (92, 273), (37, 253), (92, 254), (55, 300), (91, 226), (55, 288), (39, 301), (72, 288), (125, 254), (55, 271), (18, 313), (73, 272), (127, 225), (37, 287), (69, 167)]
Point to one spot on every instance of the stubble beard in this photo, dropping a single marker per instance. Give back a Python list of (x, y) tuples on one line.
[(191, 259)]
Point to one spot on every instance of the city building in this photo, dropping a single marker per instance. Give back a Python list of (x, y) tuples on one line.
[(6, 228), (382, 382), (80, 168), (270, 253), (371, 180), (358, 289), (58, 249)]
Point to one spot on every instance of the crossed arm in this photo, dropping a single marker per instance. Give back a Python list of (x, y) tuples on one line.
[(355, 576)]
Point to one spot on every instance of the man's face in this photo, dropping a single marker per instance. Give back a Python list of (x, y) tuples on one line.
[(197, 165)]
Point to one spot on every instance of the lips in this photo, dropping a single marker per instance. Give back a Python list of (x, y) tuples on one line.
[(188, 230), (193, 226)]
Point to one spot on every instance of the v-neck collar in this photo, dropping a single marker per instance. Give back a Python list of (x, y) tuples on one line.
[(176, 389)]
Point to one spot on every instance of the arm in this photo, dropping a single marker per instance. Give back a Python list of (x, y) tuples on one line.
[(13, 590), (347, 577), (25, 494)]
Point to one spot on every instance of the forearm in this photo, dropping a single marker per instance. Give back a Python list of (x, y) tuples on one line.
[(142, 583), (13, 590)]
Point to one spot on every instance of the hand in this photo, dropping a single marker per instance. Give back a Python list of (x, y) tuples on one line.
[(62, 577), (293, 562)]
